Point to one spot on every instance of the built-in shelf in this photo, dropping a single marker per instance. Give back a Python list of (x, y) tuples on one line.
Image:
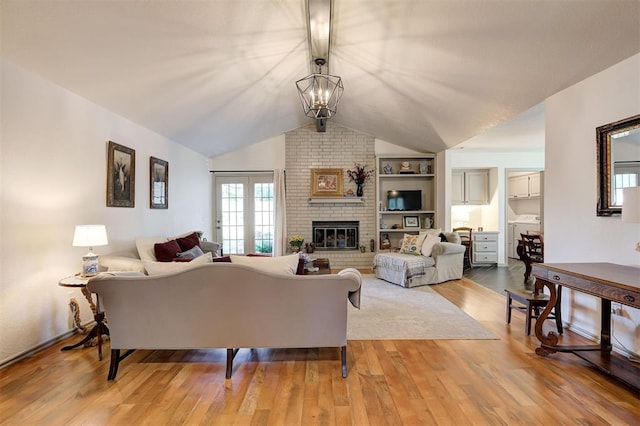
[(406, 212), (390, 177), (401, 230), (406, 175), (336, 200)]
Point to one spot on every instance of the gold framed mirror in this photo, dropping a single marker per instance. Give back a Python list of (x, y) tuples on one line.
[(618, 150)]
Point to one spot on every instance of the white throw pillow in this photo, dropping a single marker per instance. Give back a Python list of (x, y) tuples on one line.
[(162, 268), (435, 231), (121, 263), (428, 244), (283, 265), (145, 247)]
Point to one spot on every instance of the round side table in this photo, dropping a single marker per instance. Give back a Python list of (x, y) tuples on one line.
[(78, 281)]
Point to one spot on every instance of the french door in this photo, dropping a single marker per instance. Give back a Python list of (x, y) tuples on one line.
[(245, 213)]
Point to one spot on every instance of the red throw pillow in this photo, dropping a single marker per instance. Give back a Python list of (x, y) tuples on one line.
[(221, 259), (300, 269), (166, 252), (188, 242)]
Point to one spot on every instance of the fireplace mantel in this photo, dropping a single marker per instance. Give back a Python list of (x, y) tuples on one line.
[(336, 200)]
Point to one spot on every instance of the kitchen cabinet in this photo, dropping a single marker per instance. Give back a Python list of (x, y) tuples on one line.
[(470, 187), (534, 185), (524, 186), (485, 247), (419, 174)]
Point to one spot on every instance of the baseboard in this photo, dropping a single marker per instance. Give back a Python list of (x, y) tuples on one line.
[(42, 346), (596, 338)]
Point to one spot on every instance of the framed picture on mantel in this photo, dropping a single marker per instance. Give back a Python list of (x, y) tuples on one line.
[(326, 183)]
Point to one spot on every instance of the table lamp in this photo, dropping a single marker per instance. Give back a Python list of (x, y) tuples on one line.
[(90, 236), (631, 207)]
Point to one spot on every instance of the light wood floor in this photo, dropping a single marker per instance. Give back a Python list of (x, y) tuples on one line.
[(414, 382)]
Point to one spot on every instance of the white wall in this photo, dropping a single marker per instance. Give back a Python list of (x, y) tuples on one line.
[(266, 155), (498, 163), (573, 232), (53, 176)]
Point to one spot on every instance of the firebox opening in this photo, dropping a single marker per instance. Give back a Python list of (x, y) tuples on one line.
[(336, 235)]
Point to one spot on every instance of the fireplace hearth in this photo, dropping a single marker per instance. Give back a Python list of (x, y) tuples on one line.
[(336, 235)]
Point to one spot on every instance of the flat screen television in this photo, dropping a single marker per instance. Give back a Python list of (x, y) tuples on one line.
[(404, 200)]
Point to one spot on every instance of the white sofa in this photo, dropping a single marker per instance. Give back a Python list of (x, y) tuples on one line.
[(225, 305), (410, 270)]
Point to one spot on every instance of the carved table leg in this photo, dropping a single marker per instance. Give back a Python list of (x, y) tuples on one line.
[(97, 331), (551, 339), (75, 311)]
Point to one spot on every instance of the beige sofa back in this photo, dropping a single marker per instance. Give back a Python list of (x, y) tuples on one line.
[(222, 305)]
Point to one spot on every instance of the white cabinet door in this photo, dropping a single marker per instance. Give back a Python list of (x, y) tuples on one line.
[(534, 185), (470, 187), (477, 187), (520, 186), (457, 184)]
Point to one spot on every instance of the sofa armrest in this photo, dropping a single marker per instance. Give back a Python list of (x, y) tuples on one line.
[(211, 247), (445, 248)]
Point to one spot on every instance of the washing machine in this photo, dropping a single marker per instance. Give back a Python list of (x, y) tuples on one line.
[(521, 224)]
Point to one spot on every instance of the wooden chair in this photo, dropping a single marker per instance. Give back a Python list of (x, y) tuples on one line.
[(532, 304), (466, 240), (530, 250)]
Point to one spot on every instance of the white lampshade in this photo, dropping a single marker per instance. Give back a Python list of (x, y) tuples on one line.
[(631, 204), (90, 236)]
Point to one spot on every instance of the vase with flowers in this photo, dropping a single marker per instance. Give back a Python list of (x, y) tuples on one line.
[(360, 175), (295, 241)]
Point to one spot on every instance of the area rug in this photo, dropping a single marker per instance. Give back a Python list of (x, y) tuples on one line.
[(391, 312)]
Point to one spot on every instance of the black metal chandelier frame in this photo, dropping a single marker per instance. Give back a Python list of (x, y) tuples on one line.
[(320, 93)]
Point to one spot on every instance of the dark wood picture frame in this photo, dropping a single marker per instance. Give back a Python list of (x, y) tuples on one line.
[(121, 176), (605, 162), (326, 182), (411, 222), (158, 183)]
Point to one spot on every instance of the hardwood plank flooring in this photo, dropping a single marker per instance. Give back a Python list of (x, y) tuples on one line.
[(398, 382)]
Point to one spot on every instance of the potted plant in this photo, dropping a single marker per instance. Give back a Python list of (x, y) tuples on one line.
[(295, 241)]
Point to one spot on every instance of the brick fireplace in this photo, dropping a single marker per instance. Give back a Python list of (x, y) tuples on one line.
[(338, 147)]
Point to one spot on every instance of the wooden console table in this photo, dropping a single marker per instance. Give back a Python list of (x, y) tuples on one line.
[(609, 282)]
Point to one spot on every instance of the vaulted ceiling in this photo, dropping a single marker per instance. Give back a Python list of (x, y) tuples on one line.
[(216, 76)]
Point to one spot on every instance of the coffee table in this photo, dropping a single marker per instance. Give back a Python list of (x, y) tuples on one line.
[(323, 267)]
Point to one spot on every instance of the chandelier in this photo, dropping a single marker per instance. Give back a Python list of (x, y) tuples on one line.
[(320, 93)]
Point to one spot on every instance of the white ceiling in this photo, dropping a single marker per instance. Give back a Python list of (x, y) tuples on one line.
[(220, 75)]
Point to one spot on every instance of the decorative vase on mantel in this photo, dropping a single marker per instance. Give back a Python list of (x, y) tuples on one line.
[(359, 189)]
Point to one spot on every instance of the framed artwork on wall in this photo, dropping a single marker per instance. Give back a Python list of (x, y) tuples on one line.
[(159, 183), (326, 182), (411, 222), (121, 175)]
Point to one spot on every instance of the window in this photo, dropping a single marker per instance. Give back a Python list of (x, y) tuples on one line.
[(622, 179)]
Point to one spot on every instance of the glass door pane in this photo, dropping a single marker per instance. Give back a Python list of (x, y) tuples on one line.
[(264, 217), (231, 211)]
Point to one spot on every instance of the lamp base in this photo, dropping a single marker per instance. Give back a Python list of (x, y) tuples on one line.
[(89, 265)]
